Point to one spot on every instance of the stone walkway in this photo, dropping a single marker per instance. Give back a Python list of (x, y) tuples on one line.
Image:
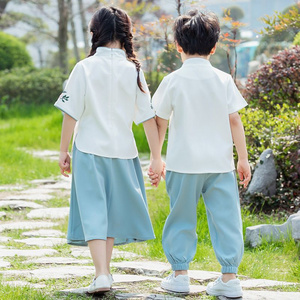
[(33, 252)]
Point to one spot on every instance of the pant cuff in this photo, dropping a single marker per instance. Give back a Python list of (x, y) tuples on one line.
[(178, 267), (229, 269)]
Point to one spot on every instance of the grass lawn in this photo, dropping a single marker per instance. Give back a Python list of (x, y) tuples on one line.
[(31, 129)]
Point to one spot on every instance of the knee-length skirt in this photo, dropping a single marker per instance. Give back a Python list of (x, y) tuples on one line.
[(108, 199)]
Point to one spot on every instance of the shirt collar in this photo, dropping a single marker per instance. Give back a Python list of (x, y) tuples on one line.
[(109, 51), (197, 61)]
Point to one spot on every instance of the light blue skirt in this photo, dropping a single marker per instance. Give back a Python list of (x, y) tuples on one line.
[(108, 199)]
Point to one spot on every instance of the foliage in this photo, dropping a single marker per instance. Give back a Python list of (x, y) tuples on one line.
[(297, 39), (13, 52), (280, 21), (279, 131), (276, 82), (229, 39), (235, 12), (30, 85)]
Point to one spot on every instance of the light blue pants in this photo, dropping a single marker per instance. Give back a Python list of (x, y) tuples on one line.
[(221, 198)]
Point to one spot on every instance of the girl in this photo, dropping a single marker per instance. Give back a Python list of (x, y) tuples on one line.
[(105, 93)]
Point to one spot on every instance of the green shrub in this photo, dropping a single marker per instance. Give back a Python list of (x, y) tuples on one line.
[(280, 132), (30, 86), (276, 82), (13, 52), (297, 39)]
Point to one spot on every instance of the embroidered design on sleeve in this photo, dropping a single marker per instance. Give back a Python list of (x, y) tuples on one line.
[(64, 97)]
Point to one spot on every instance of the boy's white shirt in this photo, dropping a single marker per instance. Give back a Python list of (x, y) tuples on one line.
[(197, 99), (103, 96)]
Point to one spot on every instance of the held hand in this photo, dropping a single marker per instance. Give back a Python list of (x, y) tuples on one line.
[(155, 169), (154, 177), (244, 172), (64, 163)]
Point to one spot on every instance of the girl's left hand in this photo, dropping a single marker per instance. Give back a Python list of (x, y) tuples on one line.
[(155, 177), (64, 163)]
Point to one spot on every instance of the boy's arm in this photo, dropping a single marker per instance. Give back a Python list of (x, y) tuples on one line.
[(66, 135), (162, 126), (151, 132), (238, 136)]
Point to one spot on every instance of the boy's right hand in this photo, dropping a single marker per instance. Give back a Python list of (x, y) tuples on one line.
[(64, 163), (244, 172)]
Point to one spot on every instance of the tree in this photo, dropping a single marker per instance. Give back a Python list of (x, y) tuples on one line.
[(235, 12)]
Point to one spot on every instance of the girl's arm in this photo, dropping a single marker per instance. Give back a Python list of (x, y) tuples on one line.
[(151, 132), (66, 135), (238, 136)]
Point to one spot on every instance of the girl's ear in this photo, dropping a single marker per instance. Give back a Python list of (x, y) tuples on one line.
[(179, 48)]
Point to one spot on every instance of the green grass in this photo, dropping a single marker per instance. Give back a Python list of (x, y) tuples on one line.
[(30, 129)]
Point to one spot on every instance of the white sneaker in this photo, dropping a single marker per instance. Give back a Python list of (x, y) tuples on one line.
[(231, 289), (178, 284), (100, 284)]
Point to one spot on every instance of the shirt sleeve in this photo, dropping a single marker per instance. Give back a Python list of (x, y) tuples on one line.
[(235, 100), (162, 101), (143, 106), (71, 100)]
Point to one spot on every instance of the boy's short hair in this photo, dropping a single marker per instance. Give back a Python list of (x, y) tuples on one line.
[(197, 32)]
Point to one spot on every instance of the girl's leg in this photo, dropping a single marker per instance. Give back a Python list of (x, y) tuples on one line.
[(109, 249), (98, 252)]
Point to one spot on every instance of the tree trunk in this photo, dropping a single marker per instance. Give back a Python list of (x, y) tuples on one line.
[(84, 27), (63, 35), (3, 4), (73, 31)]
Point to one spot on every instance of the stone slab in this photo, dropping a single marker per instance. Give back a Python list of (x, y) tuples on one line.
[(24, 283), (85, 252), (2, 214), (194, 289), (19, 204), (269, 295), (11, 187), (57, 261), (27, 253), (42, 242), (37, 191), (119, 278), (43, 181), (25, 225), (44, 233), (4, 264), (142, 267), (203, 275), (146, 296), (30, 197), (261, 283), (63, 185), (4, 239), (49, 213), (54, 272)]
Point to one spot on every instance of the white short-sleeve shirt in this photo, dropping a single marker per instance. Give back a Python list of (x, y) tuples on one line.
[(103, 96), (198, 99)]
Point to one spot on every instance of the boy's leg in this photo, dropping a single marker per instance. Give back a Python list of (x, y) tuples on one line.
[(179, 235), (221, 198)]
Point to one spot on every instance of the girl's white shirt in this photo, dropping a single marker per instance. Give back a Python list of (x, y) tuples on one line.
[(102, 95), (198, 98)]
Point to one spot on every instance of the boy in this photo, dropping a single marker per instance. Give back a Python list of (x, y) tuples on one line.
[(201, 103)]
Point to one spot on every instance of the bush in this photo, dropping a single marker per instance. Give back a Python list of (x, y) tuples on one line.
[(30, 86), (276, 82), (280, 132), (13, 52), (297, 39)]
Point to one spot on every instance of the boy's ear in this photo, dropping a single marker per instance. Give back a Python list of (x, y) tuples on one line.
[(213, 50), (179, 48)]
